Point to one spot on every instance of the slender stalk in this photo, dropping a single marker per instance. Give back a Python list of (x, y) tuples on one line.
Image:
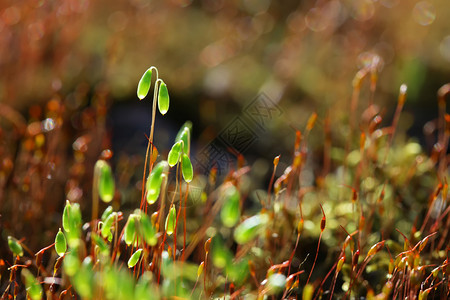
[(150, 141)]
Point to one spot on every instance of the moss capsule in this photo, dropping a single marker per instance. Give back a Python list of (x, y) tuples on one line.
[(171, 220), (230, 211), (186, 168), (249, 228), (106, 185), (60, 243), (174, 154), (107, 224), (130, 230), (163, 98), (144, 84), (134, 258), (66, 216), (148, 231), (14, 246), (154, 181)]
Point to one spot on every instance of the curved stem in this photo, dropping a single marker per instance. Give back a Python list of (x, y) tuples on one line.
[(150, 141)]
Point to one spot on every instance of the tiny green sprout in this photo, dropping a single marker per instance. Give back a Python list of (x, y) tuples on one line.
[(230, 212), (34, 289), (15, 246), (60, 243), (66, 216), (171, 220), (130, 230), (154, 181), (174, 154), (144, 84), (249, 228), (106, 186), (275, 283), (186, 168), (106, 213), (148, 230), (163, 98), (106, 228), (134, 258)]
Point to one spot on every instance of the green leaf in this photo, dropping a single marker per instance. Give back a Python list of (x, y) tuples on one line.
[(174, 154), (144, 84), (134, 258), (106, 186), (163, 99), (186, 168), (154, 180), (60, 243), (14, 246), (230, 212), (171, 220)]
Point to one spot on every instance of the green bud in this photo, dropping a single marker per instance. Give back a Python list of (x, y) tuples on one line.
[(14, 246), (134, 258), (144, 84), (163, 99), (174, 154), (154, 181), (66, 216), (74, 232), (186, 168), (60, 243), (249, 228), (148, 231), (106, 213), (107, 224), (129, 234), (230, 212), (185, 136), (171, 220), (106, 186)]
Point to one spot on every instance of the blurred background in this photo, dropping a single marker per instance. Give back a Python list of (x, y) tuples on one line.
[(69, 71)]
